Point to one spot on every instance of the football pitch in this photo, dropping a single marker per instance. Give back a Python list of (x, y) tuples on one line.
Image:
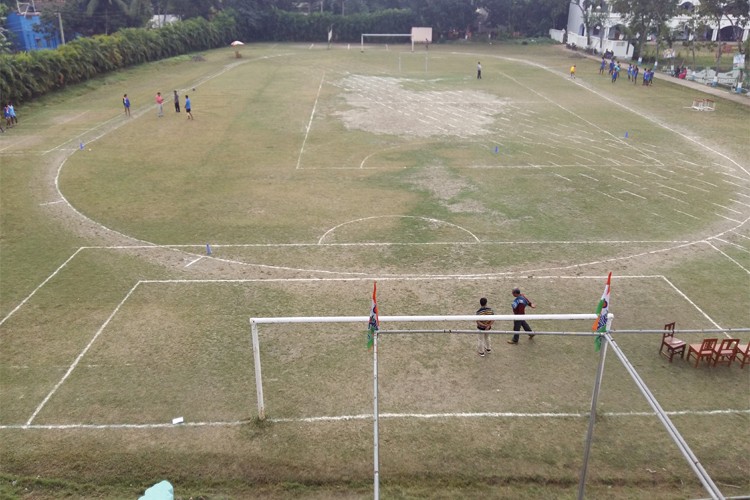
[(134, 251)]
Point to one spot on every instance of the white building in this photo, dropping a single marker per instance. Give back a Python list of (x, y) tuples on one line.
[(609, 34)]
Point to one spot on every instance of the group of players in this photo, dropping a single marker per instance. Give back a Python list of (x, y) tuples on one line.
[(9, 113), (519, 304)]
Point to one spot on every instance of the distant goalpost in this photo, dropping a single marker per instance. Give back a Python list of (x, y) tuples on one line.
[(606, 341), (417, 35)]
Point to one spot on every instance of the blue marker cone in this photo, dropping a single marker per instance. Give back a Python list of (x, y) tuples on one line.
[(208, 249)]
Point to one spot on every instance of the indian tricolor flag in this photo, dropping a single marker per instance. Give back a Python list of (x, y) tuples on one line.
[(374, 323), (600, 324)]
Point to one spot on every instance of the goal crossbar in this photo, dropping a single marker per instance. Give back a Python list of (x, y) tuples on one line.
[(414, 319)]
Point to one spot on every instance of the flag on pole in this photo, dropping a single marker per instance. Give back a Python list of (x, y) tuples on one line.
[(600, 323), (374, 324)]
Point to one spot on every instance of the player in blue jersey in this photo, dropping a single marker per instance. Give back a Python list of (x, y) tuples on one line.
[(519, 307)]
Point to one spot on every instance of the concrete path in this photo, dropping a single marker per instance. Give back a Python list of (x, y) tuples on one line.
[(723, 93), (743, 99)]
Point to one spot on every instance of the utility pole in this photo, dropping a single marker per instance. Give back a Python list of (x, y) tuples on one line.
[(62, 33)]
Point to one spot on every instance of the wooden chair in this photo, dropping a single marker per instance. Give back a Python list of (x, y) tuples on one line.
[(726, 351), (743, 352), (673, 345), (704, 350)]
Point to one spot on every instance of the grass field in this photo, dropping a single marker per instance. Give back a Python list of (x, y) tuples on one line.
[(309, 174)]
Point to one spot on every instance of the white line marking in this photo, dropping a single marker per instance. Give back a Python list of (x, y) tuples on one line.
[(40, 286), (633, 194), (626, 172), (17, 142), (665, 195), (656, 175), (80, 356), (51, 203), (733, 184), (738, 247), (726, 208), (685, 213), (706, 182), (701, 311), (668, 187), (610, 196), (563, 177), (728, 257), (309, 123), (194, 261), (397, 216), (727, 218), (699, 189), (627, 181), (366, 416)]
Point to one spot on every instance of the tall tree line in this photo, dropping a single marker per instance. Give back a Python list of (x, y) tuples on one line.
[(94, 17)]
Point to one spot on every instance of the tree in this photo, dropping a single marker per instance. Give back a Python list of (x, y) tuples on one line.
[(444, 15), (94, 17), (4, 33), (691, 27), (737, 12), (593, 13), (187, 9), (644, 17)]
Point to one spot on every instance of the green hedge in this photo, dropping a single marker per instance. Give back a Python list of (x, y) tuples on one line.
[(32, 74), (28, 75)]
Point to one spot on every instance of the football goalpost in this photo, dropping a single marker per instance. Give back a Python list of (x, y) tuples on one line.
[(605, 338), (417, 35)]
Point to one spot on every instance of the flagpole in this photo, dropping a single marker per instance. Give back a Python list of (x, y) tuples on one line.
[(376, 459), (592, 416)]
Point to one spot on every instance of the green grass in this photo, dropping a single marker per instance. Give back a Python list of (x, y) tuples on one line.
[(312, 173)]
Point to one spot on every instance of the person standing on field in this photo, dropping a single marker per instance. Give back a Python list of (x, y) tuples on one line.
[(188, 107), (160, 104), (126, 104), (519, 307), (12, 113), (573, 71), (176, 102), (483, 338), (479, 70)]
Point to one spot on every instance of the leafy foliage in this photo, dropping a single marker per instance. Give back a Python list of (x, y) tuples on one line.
[(4, 33), (28, 75)]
